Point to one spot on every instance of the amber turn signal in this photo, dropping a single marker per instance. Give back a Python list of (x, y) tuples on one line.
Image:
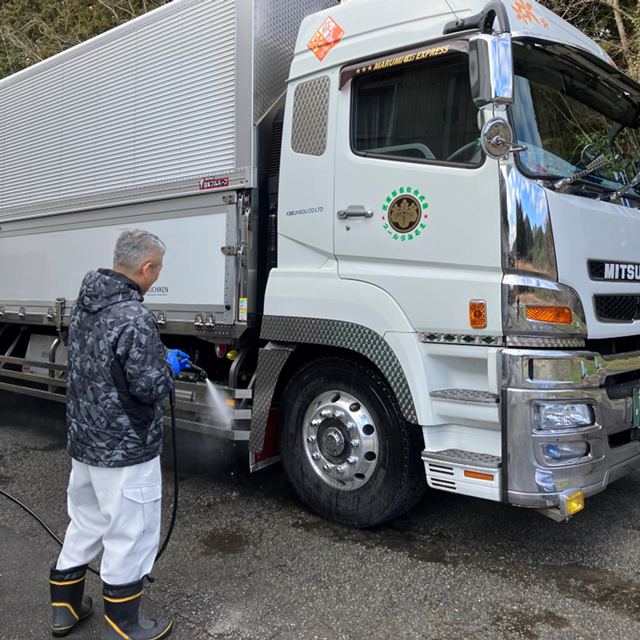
[(558, 315), (478, 476), (575, 502), (478, 314)]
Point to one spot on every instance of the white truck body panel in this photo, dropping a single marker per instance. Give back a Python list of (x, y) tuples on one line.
[(30, 270), (595, 231)]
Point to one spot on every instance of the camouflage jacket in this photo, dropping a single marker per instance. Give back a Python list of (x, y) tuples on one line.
[(118, 375)]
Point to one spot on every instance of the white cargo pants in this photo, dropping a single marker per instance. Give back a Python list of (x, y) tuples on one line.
[(118, 510)]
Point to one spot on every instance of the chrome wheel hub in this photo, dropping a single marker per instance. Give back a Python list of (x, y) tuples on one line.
[(340, 440)]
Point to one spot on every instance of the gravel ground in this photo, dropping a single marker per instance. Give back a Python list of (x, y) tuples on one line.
[(247, 561)]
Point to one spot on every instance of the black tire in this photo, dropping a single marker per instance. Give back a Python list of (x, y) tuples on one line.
[(395, 483)]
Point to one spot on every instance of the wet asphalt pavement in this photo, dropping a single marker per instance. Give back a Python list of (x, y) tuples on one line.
[(247, 561)]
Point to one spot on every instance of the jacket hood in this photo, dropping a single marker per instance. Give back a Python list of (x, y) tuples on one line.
[(103, 288)]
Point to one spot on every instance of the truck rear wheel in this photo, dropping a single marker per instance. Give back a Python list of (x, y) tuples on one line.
[(345, 446)]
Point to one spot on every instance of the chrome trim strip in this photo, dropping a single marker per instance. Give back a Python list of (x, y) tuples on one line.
[(544, 370), (454, 338), (545, 343)]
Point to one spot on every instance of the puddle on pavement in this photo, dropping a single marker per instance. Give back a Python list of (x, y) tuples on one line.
[(590, 586), (390, 539), (595, 586), (225, 542), (514, 623)]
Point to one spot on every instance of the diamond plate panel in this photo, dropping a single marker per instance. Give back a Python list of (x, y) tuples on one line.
[(458, 456), (271, 359), (276, 29), (310, 116), (466, 395), (347, 335)]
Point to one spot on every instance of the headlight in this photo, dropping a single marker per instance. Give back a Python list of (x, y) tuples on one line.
[(565, 453), (549, 416)]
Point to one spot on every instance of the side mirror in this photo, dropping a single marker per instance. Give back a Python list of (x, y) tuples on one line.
[(491, 69), (496, 139)]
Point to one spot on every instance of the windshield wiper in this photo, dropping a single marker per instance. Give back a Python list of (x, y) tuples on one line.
[(616, 196), (562, 185)]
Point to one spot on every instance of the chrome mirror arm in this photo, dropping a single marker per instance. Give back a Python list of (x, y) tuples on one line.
[(514, 147)]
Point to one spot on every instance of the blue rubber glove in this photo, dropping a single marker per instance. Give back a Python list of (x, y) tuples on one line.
[(178, 361)]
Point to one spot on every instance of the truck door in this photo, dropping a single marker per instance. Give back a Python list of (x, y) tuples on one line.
[(417, 208)]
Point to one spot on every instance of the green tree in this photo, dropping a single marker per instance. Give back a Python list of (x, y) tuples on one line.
[(32, 30), (613, 24)]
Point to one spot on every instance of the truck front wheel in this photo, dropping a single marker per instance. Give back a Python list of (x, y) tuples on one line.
[(345, 446)]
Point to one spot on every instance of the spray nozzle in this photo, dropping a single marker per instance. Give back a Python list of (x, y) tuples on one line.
[(199, 375)]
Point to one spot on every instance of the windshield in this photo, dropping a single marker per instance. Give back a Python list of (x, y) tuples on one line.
[(567, 117)]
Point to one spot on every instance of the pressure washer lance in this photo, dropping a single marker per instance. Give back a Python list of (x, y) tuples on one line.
[(200, 375)]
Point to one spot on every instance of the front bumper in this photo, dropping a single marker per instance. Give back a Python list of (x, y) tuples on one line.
[(605, 382)]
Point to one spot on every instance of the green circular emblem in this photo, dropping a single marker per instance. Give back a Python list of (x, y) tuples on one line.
[(404, 214)]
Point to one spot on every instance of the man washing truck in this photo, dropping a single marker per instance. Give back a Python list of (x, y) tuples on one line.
[(407, 232), (118, 377)]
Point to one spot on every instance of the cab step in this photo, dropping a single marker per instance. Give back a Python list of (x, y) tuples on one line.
[(465, 472), (466, 395)]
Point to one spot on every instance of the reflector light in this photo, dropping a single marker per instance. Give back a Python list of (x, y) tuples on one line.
[(230, 403), (558, 315), (478, 476), (478, 314), (575, 502)]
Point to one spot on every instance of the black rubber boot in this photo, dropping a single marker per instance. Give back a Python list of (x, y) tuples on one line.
[(69, 605), (121, 619)]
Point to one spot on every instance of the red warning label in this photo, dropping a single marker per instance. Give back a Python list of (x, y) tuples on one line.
[(213, 183), (325, 38)]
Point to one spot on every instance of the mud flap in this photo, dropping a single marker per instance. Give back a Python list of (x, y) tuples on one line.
[(271, 360), (270, 453)]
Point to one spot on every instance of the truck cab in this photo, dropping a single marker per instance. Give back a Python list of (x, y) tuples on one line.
[(504, 280)]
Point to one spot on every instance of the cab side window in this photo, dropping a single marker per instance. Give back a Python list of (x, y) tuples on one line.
[(420, 112)]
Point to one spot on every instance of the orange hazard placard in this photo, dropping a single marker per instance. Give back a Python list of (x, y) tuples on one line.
[(325, 38)]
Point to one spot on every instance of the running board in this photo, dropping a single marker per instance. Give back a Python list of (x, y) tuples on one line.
[(466, 395), (464, 472)]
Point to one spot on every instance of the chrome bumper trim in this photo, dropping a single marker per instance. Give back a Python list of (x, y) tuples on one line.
[(530, 376)]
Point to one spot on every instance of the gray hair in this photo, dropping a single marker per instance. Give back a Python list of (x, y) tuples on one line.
[(134, 248)]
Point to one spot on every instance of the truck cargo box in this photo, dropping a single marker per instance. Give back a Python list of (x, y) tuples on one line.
[(148, 125)]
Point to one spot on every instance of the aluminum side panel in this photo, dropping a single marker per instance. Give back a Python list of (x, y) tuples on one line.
[(161, 109)]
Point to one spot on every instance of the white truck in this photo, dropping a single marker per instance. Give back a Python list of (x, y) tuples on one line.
[(403, 237)]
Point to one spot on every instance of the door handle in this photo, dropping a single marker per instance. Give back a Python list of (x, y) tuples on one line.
[(354, 211)]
